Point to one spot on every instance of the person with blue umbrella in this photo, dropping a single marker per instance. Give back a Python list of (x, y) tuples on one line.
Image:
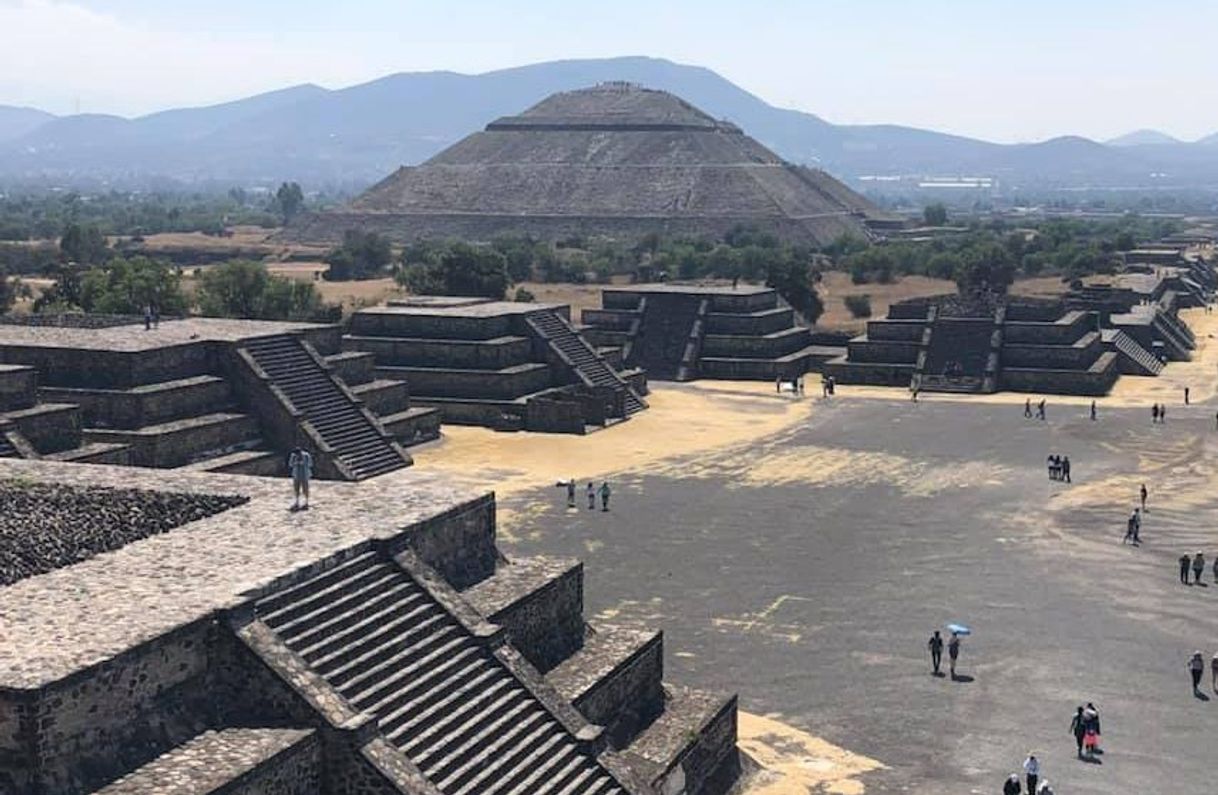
[(953, 645)]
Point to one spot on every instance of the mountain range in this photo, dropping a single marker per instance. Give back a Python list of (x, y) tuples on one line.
[(354, 136)]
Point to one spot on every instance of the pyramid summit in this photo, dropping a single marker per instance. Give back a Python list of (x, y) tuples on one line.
[(615, 160)]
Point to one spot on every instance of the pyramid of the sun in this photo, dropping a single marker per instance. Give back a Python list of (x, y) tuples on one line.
[(616, 160)]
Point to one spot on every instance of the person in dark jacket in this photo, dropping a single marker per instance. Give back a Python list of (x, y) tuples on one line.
[(1078, 727), (1012, 785)]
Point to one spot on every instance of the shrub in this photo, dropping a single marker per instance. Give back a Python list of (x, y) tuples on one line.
[(859, 306)]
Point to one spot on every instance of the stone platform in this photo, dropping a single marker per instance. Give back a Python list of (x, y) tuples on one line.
[(503, 364), (680, 332), (347, 647), (233, 395)]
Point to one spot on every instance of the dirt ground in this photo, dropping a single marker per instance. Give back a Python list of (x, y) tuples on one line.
[(795, 550)]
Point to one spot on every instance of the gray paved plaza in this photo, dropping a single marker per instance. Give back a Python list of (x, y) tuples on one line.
[(807, 570)]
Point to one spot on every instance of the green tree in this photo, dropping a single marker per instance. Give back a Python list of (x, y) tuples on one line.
[(289, 201), (126, 286), (362, 255), (795, 281), (244, 289), (935, 214), (460, 269), (84, 245)]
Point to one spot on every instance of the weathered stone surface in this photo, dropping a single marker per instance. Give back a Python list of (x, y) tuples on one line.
[(71, 618), (48, 526), (241, 761)]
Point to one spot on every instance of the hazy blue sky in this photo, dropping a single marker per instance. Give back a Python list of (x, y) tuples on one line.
[(1009, 71)]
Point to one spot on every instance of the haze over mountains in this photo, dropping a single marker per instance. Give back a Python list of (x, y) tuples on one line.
[(355, 136)]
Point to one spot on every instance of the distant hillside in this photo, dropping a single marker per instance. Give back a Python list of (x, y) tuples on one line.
[(1144, 138), (16, 122), (355, 136)]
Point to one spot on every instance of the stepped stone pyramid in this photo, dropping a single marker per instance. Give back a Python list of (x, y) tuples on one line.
[(213, 395), (502, 364), (617, 160), (377, 643), (680, 332)]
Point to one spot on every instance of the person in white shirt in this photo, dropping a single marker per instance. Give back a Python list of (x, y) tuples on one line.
[(1031, 769)]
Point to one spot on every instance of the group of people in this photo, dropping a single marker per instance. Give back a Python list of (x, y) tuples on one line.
[(1031, 771), (1085, 726), (1040, 408), (1196, 565), (591, 491), (935, 644), (1133, 528), (797, 384), (1158, 413), (1059, 467)]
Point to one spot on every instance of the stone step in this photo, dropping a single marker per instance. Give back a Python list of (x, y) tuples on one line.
[(311, 585), (256, 461), (180, 442), (383, 395), (93, 453), (691, 741), (615, 680), (281, 620), (339, 421), (539, 601), (397, 617), (441, 697), (148, 404), (231, 760), (415, 425), (489, 693)]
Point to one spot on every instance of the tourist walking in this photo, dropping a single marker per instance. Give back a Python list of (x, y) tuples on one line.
[(1186, 396), (1162, 413), (1040, 409), (1154, 414), (1196, 666), (1198, 567), (953, 653), (1091, 726), (935, 644), (1011, 786), (1137, 527), (1078, 727), (1143, 493), (1031, 769), (591, 492), (147, 317), (1065, 465), (1093, 411), (1045, 789), (1027, 408), (1131, 525), (1185, 563), (605, 492), (570, 484), (300, 466)]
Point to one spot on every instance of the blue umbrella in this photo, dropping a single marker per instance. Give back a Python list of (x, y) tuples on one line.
[(959, 629)]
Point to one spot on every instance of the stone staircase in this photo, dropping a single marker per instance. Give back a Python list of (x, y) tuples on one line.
[(590, 366), (339, 420), (958, 355), (1130, 348), (665, 330), (439, 693), (688, 369)]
